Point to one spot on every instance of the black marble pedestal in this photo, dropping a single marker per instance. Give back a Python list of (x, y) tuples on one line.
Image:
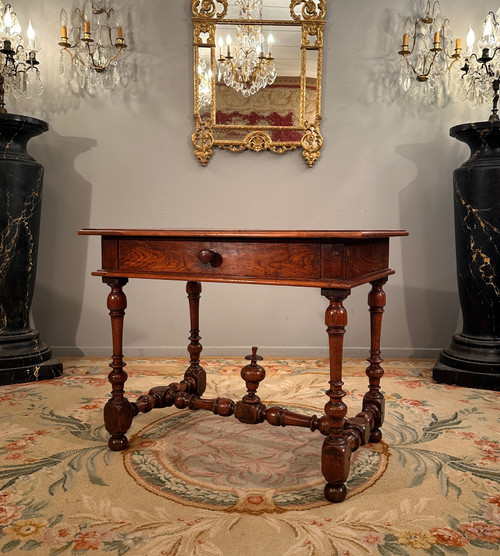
[(473, 357), (23, 357)]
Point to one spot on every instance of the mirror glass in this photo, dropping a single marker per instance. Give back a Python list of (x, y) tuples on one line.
[(258, 76)]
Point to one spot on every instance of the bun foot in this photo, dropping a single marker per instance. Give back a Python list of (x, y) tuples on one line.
[(376, 436), (118, 443), (335, 493)]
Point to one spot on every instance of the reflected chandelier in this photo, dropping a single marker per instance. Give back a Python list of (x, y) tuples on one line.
[(96, 49), (19, 75), (247, 68)]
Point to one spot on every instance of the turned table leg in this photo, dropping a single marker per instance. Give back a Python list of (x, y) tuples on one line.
[(118, 411), (336, 451), (195, 370), (374, 399)]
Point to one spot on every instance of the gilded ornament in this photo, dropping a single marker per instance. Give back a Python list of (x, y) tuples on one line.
[(312, 142), (312, 29), (203, 141), (204, 27), (208, 8), (310, 9), (258, 141)]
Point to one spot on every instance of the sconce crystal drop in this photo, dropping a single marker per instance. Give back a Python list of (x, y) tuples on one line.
[(93, 48), (19, 74)]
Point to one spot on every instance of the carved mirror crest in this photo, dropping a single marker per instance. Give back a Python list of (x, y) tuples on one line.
[(257, 76)]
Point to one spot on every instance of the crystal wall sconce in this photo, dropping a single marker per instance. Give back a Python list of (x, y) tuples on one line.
[(427, 53), (92, 47), (480, 78), (19, 74)]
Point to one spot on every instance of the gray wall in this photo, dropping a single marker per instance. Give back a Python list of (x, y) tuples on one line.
[(127, 161)]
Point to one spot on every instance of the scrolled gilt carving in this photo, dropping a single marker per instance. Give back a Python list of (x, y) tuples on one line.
[(311, 9), (278, 149), (258, 141), (312, 29), (203, 140), (208, 8), (312, 142), (200, 27)]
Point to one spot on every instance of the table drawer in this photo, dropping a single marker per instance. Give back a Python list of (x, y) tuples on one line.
[(256, 259)]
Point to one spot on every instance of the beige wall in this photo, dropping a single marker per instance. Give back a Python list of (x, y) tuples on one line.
[(127, 161)]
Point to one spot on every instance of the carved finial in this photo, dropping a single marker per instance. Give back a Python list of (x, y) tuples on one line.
[(254, 357), (252, 374), (250, 410)]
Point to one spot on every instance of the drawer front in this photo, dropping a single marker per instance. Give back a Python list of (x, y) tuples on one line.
[(262, 260)]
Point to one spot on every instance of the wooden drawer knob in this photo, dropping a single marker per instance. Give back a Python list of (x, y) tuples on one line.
[(206, 256)]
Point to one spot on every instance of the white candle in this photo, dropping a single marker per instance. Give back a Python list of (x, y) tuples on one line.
[(471, 37), (31, 37), (7, 21), (270, 41)]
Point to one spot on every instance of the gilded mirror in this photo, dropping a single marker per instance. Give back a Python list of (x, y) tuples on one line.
[(257, 76)]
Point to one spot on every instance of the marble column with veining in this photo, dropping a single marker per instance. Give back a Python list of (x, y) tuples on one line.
[(473, 357), (23, 356)]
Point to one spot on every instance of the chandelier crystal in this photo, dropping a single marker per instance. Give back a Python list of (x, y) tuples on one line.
[(247, 67), (19, 75), (92, 50)]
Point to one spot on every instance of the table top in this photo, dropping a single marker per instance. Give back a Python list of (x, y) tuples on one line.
[(253, 234), (324, 258)]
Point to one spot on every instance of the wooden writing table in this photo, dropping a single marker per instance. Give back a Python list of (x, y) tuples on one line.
[(334, 261)]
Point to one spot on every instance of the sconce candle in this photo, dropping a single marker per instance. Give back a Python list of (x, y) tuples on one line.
[(471, 38), (405, 39), (31, 36), (7, 20), (64, 24)]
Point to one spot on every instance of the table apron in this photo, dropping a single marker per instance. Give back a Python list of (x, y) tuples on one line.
[(309, 263)]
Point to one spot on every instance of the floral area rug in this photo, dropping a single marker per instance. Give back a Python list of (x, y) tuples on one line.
[(192, 483)]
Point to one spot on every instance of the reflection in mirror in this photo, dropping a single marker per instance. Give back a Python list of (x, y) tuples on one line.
[(258, 67)]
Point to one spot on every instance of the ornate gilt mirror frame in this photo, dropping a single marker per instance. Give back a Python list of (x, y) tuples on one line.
[(216, 125)]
